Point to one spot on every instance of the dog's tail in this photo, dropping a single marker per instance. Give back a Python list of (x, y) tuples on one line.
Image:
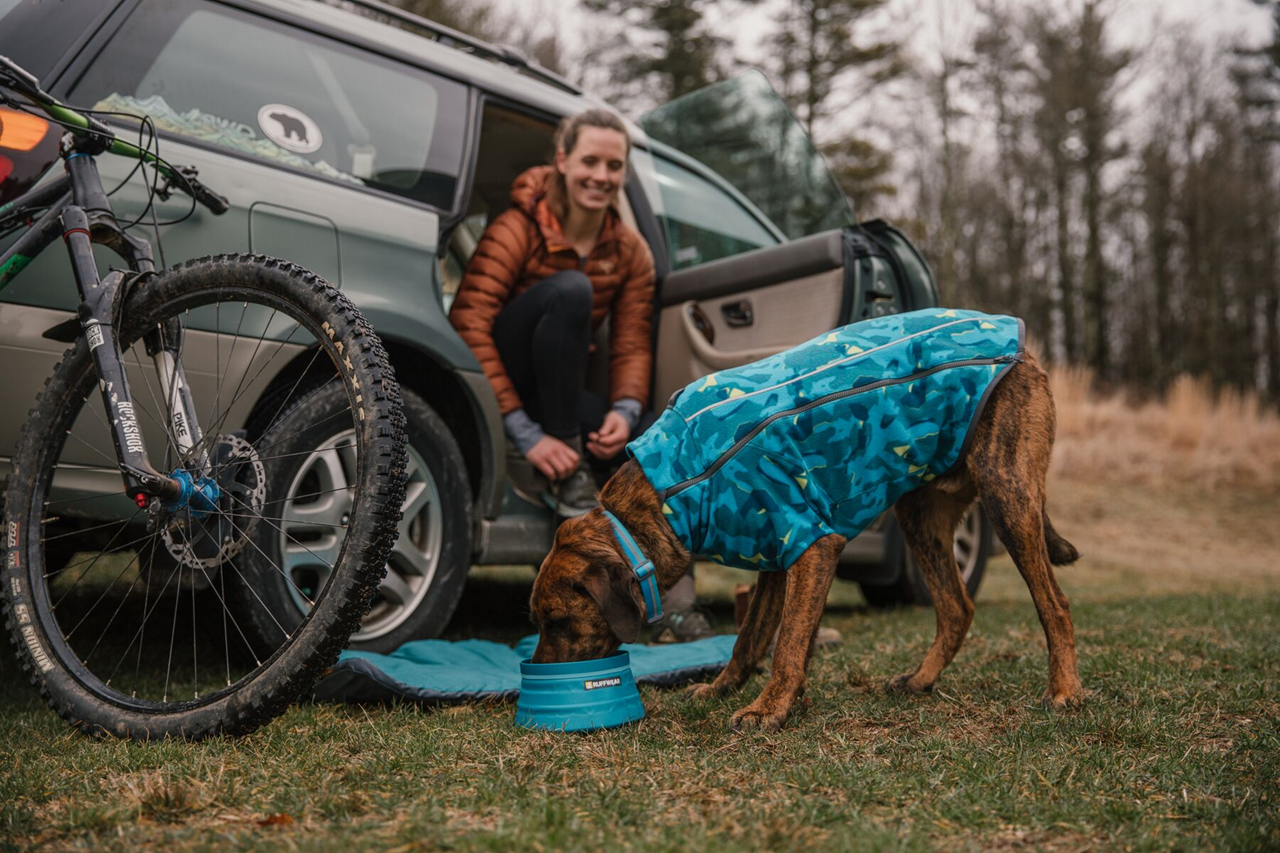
[(1061, 552)]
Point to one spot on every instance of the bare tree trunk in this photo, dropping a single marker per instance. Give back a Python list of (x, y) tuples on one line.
[(1095, 296), (947, 237), (1066, 284)]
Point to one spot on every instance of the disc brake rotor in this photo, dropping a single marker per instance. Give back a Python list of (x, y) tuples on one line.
[(209, 541)]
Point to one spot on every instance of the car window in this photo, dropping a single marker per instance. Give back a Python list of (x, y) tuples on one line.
[(260, 88), (701, 221), (35, 35), (742, 131)]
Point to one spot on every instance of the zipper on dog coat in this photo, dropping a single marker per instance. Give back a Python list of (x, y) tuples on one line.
[(754, 464)]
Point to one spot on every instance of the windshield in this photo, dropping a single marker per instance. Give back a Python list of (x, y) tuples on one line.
[(742, 130)]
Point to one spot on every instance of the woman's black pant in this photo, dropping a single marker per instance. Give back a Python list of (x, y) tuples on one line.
[(544, 339)]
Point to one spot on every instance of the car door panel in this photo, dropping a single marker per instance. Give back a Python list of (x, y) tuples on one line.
[(740, 309), (695, 336)]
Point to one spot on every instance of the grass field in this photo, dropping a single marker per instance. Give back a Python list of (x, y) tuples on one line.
[(1177, 609)]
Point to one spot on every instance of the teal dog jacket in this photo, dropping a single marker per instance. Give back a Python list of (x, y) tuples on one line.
[(752, 465)]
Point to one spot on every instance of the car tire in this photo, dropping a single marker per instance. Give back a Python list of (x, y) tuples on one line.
[(427, 568), (973, 541)]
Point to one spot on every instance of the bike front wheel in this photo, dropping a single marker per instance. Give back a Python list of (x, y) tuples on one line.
[(132, 621)]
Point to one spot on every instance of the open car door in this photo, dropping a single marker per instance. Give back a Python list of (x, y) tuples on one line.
[(762, 248)]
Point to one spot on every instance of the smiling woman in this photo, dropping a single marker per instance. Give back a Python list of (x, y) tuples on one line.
[(546, 273)]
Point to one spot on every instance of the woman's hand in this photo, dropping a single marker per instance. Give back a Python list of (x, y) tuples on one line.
[(610, 438), (555, 459)]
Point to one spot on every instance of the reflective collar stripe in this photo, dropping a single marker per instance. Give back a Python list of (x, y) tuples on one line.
[(642, 567)]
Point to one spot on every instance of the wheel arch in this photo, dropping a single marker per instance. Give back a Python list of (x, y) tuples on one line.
[(455, 396)]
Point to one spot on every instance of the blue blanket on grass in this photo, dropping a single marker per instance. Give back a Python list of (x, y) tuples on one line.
[(440, 671)]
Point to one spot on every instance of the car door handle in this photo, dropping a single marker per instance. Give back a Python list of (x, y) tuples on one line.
[(708, 356), (738, 314)]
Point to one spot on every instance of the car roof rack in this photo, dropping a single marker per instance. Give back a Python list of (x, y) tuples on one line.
[(450, 37)]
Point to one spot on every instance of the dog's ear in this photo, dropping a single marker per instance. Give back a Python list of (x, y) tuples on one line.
[(617, 591)]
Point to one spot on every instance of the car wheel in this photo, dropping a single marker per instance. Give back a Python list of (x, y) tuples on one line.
[(972, 545), (427, 568)]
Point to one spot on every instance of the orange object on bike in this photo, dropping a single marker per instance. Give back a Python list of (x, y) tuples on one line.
[(20, 131)]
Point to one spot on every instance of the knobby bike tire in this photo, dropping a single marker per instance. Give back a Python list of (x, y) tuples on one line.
[(267, 688)]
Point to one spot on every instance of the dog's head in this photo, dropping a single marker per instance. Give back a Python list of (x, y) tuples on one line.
[(586, 601)]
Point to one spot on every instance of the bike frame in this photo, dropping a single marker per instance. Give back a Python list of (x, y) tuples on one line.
[(81, 213)]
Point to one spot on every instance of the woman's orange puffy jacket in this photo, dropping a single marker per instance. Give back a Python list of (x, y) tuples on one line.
[(524, 245)]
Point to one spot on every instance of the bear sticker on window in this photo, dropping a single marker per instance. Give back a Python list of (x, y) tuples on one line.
[(290, 128)]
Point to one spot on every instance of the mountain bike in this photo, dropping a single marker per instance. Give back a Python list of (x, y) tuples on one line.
[(152, 495)]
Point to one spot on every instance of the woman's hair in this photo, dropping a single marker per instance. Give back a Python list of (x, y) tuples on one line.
[(567, 139)]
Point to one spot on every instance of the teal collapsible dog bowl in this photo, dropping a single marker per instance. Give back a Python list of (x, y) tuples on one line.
[(578, 696)]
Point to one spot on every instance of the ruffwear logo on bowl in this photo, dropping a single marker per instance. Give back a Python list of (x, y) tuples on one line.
[(596, 684)]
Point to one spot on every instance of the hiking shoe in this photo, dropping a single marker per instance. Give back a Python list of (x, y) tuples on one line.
[(575, 494), (682, 627)]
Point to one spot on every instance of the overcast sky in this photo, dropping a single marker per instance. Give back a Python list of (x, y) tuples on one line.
[(930, 27), (747, 23)]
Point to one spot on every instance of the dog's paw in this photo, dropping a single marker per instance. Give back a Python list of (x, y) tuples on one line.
[(752, 718), (904, 684), (1062, 699), (699, 692)]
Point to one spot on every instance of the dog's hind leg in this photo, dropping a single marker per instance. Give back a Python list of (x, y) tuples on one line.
[(807, 583), (928, 518), (1008, 461), (763, 615)]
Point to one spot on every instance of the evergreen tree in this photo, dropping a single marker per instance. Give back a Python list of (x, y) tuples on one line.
[(661, 50), (1096, 73), (816, 50), (817, 57)]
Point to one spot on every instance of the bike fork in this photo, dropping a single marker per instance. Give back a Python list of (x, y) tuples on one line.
[(97, 307)]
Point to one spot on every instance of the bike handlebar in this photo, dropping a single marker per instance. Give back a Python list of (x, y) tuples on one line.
[(13, 76)]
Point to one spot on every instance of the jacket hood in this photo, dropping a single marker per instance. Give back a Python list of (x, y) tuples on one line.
[(530, 188)]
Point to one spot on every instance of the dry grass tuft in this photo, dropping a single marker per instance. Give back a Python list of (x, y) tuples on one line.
[(163, 797), (1192, 437)]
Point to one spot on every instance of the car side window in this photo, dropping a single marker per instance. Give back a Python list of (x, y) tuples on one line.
[(36, 35), (260, 88), (701, 221)]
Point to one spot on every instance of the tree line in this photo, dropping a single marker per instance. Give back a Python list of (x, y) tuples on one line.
[(1123, 199)]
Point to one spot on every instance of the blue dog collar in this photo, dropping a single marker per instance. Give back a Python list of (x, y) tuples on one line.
[(642, 567)]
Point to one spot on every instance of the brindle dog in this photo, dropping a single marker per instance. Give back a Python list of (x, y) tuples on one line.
[(586, 601)]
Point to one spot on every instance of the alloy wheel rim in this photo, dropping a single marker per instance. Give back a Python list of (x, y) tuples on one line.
[(414, 559), (968, 541)]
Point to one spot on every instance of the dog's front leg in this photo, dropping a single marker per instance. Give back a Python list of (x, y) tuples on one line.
[(763, 614), (808, 581)]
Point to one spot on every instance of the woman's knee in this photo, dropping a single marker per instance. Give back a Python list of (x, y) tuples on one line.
[(572, 290)]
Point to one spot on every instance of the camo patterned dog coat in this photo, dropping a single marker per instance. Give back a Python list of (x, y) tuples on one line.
[(756, 463)]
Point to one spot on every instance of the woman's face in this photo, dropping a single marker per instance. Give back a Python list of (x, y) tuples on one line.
[(595, 169)]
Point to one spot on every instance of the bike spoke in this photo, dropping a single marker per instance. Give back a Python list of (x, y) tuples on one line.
[(306, 428), (92, 563), (111, 621), (273, 563), (146, 600), (285, 400), (177, 599), (195, 658), (226, 514), (82, 530), (219, 420), (109, 459), (67, 636), (329, 566)]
